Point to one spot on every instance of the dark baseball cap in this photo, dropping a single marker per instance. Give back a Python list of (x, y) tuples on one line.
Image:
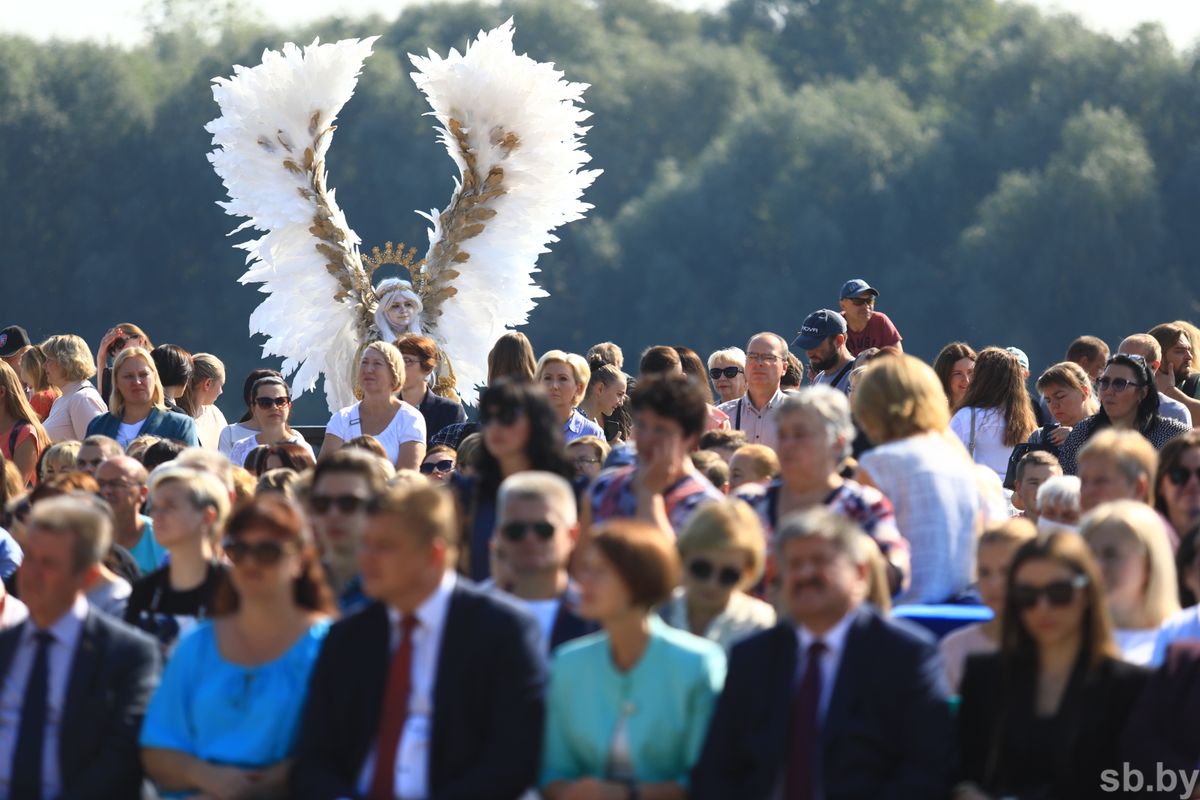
[(819, 326), (13, 340), (855, 287)]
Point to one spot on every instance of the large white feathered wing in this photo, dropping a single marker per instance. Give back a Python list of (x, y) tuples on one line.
[(514, 128), (270, 143)]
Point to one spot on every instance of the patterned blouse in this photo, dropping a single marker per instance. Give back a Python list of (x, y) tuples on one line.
[(1159, 431), (613, 496)]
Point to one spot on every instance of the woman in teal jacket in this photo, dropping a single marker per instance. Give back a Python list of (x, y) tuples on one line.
[(629, 706), (137, 406)]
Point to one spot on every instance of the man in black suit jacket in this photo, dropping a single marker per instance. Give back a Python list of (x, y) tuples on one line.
[(73, 682), (471, 719), (881, 728)]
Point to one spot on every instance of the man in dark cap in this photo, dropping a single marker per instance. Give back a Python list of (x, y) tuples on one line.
[(14, 341), (867, 327), (823, 339)]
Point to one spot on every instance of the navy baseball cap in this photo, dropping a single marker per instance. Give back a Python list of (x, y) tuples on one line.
[(13, 340), (819, 326), (855, 287)]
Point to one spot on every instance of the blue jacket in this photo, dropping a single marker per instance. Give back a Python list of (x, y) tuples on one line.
[(165, 424), (669, 696)]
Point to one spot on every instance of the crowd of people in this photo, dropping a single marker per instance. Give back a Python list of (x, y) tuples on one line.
[(740, 577)]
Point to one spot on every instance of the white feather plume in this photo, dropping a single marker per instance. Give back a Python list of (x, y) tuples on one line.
[(491, 91), (270, 114)]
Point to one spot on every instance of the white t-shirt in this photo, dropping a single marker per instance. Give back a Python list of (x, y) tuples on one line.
[(406, 426), (244, 446), (545, 612), (990, 449), (210, 423), (232, 435), (128, 432)]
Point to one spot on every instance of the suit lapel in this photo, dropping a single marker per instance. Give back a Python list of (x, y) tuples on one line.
[(8, 646), (82, 677), (447, 689), (847, 675)]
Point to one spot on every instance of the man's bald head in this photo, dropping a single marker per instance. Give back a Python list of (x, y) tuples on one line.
[(122, 483), (125, 467), (1144, 345)]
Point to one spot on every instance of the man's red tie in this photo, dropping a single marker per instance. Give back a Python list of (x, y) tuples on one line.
[(395, 712), (804, 731)]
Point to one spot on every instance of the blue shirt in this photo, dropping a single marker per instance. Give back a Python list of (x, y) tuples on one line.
[(148, 553), (667, 698), (226, 713), (11, 554), (579, 426)]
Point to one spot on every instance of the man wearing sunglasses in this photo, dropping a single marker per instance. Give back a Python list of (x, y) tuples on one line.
[(536, 529), (867, 327), (342, 486), (822, 337), (437, 689), (837, 700)]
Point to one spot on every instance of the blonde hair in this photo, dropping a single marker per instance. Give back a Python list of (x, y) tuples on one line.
[(1140, 523), (116, 402), (579, 368), (205, 367), (900, 397), (61, 456), (204, 490), (138, 447), (727, 523), (16, 405), (1013, 531), (1072, 376), (390, 355), (33, 364), (761, 458), (1129, 452), (735, 355), (598, 446), (72, 355)]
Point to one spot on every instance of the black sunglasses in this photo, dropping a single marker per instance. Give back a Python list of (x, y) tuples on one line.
[(266, 403), (1180, 475), (504, 416), (1058, 593), (729, 372), (515, 531), (265, 553), (1116, 384), (702, 570), (430, 467), (862, 301), (20, 513), (346, 503)]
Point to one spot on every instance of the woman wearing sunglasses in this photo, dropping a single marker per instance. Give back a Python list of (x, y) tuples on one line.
[(727, 368), (1043, 717), (271, 401), (629, 707), (1177, 484), (1128, 401), (721, 547), (398, 426), (438, 465), (223, 721)]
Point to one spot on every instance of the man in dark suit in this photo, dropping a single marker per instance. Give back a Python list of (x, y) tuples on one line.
[(536, 529), (74, 683), (436, 690), (836, 702)]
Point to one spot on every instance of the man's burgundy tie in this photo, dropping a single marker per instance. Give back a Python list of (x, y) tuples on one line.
[(395, 712), (800, 783)]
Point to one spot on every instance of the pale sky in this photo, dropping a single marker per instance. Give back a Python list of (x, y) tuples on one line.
[(120, 20)]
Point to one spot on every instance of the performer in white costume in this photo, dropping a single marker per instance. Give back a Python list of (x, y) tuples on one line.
[(513, 127)]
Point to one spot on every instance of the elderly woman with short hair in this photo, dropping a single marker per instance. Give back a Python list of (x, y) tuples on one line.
[(722, 549), (69, 369), (727, 368)]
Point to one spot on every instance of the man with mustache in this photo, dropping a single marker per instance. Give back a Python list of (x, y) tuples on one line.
[(836, 701)]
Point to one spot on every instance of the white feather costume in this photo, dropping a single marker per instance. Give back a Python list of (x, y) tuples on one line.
[(512, 126)]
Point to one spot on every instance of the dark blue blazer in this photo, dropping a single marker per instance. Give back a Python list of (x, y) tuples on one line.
[(165, 424), (887, 733), (113, 674), (439, 412), (488, 704)]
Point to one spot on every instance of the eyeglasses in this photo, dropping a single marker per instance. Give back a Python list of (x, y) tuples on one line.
[(515, 531), (862, 301), (503, 416), (703, 570), (266, 554), (583, 461), (1058, 593), (267, 403), (430, 467), (346, 503), (411, 362), (763, 358), (1116, 384), (716, 373), (1181, 475)]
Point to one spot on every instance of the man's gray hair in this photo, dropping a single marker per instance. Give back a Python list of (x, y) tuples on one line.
[(783, 343), (830, 406), (553, 489), (845, 534), (83, 515)]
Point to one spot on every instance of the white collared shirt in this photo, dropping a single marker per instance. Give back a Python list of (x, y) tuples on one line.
[(411, 780), (61, 653), (758, 424), (69, 416), (835, 645)]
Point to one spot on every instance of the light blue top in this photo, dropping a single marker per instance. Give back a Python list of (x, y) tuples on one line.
[(669, 696), (579, 426), (11, 554), (226, 713), (148, 553), (1182, 625)]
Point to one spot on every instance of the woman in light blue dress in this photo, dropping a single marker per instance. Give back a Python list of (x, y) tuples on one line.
[(224, 719)]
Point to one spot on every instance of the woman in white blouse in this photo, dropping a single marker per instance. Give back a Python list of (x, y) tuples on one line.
[(397, 425), (69, 368), (996, 413), (272, 404)]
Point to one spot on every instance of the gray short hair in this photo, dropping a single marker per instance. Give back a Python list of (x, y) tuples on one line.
[(553, 489), (846, 536), (735, 354), (830, 406), (85, 516)]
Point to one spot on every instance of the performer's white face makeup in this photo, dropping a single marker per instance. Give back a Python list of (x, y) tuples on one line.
[(400, 311)]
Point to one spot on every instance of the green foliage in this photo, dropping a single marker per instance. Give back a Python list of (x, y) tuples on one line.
[(1000, 175)]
